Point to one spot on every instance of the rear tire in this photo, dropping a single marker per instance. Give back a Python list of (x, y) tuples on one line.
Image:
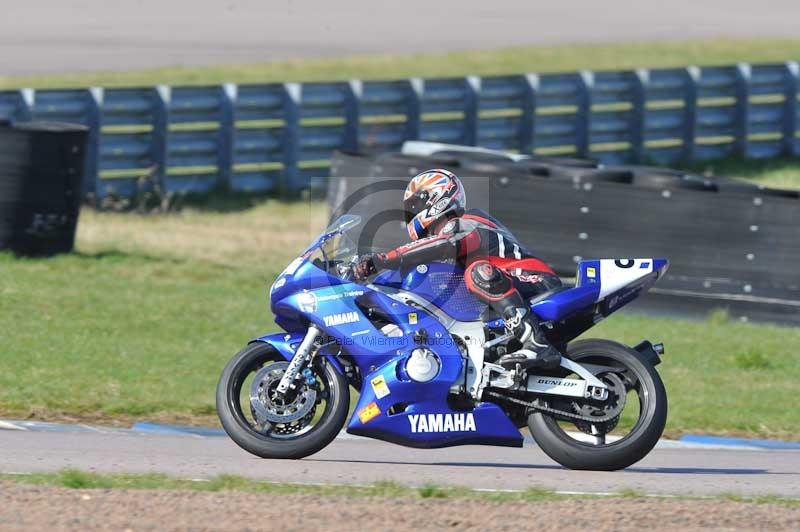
[(241, 430), (574, 454)]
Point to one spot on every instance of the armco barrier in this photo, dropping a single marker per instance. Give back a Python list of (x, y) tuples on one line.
[(278, 136), (729, 244)]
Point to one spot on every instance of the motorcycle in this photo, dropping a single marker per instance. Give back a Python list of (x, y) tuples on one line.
[(420, 349)]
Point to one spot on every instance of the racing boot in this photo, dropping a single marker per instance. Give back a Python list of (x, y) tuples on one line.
[(536, 351)]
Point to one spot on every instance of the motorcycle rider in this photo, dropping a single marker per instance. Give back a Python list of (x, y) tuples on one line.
[(498, 269)]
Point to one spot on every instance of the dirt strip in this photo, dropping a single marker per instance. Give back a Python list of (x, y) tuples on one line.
[(27, 507)]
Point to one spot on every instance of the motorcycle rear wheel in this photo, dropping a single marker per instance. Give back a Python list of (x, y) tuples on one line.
[(642, 378), (274, 440)]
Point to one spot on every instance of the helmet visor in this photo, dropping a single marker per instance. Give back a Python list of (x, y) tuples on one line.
[(414, 205)]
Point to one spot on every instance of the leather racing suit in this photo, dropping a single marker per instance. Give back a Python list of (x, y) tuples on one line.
[(499, 271)]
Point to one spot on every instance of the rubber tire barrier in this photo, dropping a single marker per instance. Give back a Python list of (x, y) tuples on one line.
[(41, 183)]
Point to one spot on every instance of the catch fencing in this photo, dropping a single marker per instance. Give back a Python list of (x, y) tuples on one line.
[(277, 137)]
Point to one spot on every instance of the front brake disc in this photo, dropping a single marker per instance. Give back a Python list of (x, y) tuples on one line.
[(270, 406)]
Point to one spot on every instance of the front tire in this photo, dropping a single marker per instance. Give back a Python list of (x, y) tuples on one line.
[(279, 441), (575, 454)]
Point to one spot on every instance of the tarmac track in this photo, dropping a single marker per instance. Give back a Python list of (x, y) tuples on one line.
[(47, 36), (671, 469)]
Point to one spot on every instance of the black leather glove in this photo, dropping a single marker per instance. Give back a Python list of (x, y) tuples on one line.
[(364, 268)]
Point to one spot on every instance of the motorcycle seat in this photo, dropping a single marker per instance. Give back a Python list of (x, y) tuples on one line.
[(550, 293), (563, 301)]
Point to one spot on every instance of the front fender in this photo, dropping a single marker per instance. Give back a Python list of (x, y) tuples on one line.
[(286, 343)]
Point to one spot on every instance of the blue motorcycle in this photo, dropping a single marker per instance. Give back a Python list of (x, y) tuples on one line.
[(420, 349)]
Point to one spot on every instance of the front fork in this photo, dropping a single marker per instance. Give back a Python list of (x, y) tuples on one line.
[(303, 354)]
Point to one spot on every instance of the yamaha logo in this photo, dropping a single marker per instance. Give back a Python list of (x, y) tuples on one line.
[(339, 319), (442, 423)]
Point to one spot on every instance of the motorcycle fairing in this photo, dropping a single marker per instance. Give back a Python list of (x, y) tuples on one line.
[(377, 354), (605, 287), (615, 282), (485, 424), (301, 275)]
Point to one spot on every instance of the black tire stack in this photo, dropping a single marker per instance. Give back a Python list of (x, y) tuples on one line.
[(41, 184)]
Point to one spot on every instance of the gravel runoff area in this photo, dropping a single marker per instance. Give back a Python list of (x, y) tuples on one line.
[(29, 507)]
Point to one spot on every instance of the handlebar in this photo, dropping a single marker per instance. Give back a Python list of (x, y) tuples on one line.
[(346, 270)]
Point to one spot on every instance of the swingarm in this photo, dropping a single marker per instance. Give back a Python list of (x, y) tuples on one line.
[(587, 386)]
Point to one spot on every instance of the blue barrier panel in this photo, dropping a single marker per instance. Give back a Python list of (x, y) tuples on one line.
[(505, 113), (721, 112), (792, 118), (560, 124), (281, 136), (616, 116), (448, 110), (769, 101), (388, 114), (328, 117), (669, 113), (265, 118), (15, 106), (199, 127), (791, 115), (132, 127), (76, 106)]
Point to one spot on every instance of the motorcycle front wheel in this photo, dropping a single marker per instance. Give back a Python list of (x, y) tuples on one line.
[(634, 386), (271, 425)]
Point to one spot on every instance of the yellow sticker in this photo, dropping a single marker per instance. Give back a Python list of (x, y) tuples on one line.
[(380, 387), (590, 272), (412, 318), (369, 412)]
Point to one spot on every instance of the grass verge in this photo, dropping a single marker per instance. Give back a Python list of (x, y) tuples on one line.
[(618, 56), (77, 479), (775, 173)]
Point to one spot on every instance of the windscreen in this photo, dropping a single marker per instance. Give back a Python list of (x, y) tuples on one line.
[(338, 251)]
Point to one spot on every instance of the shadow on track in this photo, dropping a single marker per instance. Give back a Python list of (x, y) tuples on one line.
[(654, 470)]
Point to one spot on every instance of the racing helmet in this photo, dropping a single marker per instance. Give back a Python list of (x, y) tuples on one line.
[(432, 196)]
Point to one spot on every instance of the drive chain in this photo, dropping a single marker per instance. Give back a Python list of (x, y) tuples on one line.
[(549, 410)]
